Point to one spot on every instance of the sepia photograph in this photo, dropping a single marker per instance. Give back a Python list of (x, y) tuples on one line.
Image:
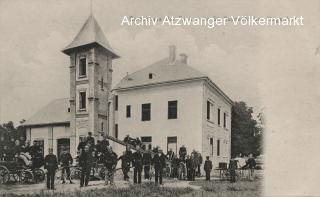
[(159, 98)]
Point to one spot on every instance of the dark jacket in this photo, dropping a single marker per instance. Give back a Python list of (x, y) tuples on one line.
[(137, 160), (110, 160), (85, 159), (233, 164), (182, 151), (251, 163), (159, 161), (90, 140), (34, 149), (66, 159), (207, 165), (81, 146), (50, 162), (147, 159), (125, 161), (103, 145)]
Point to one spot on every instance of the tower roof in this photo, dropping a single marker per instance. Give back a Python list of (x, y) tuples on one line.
[(89, 34)]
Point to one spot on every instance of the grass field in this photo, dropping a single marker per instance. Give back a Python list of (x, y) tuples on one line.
[(147, 189), (227, 189)]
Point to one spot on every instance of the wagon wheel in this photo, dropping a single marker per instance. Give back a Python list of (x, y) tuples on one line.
[(102, 173), (75, 173), (4, 175), (16, 176), (38, 175), (26, 176)]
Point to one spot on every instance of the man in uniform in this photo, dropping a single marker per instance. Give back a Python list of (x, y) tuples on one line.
[(110, 162), (182, 152), (233, 165), (146, 163), (51, 165), (125, 164), (85, 163), (104, 144), (137, 164), (34, 149), (159, 162), (82, 144), (207, 168), (90, 140), (65, 160)]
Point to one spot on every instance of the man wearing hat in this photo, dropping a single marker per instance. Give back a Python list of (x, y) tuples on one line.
[(90, 140), (65, 160), (137, 164), (51, 165), (85, 163), (159, 162), (207, 168)]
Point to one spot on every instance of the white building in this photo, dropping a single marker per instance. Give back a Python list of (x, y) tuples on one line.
[(170, 104), (167, 104)]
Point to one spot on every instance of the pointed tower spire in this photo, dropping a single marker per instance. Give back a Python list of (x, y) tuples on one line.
[(90, 34)]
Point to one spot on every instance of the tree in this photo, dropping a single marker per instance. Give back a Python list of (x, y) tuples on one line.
[(246, 133)]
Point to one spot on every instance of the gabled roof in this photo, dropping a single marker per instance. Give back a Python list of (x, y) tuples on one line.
[(90, 33), (56, 112), (162, 71)]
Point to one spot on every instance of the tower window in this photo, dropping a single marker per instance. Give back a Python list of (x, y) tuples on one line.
[(224, 120), (82, 100), (150, 76), (146, 112), (128, 111), (82, 67), (102, 126), (172, 109)]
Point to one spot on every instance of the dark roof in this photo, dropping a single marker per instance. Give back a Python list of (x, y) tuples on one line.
[(162, 71), (56, 112), (90, 33)]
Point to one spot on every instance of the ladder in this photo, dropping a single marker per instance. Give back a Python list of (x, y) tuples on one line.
[(116, 140)]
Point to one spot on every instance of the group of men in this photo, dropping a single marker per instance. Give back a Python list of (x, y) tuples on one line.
[(22, 152), (90, 152)]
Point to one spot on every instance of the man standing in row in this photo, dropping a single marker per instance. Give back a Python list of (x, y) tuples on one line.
[(125, 164), (51, 165), (208, 168), (146, 163), (159, 161), (65, 160), (85, 163), (110, 162), (137, 164)]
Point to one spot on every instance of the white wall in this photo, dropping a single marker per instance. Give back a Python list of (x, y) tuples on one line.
[(211, 129), (187, 127)]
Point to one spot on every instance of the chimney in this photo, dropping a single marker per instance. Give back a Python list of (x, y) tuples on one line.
[(183, 58), (172, 53)]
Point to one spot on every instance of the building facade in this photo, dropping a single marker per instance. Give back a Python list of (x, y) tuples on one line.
[(166, 104), (170, 104)]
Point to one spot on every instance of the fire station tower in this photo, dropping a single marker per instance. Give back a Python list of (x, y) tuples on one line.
[(90, 81)]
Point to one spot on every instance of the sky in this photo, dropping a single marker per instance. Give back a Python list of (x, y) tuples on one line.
[(271, 68)]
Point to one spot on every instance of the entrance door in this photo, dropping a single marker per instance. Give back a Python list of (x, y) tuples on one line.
[(147, 141), (61, 145), (172, 144)]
